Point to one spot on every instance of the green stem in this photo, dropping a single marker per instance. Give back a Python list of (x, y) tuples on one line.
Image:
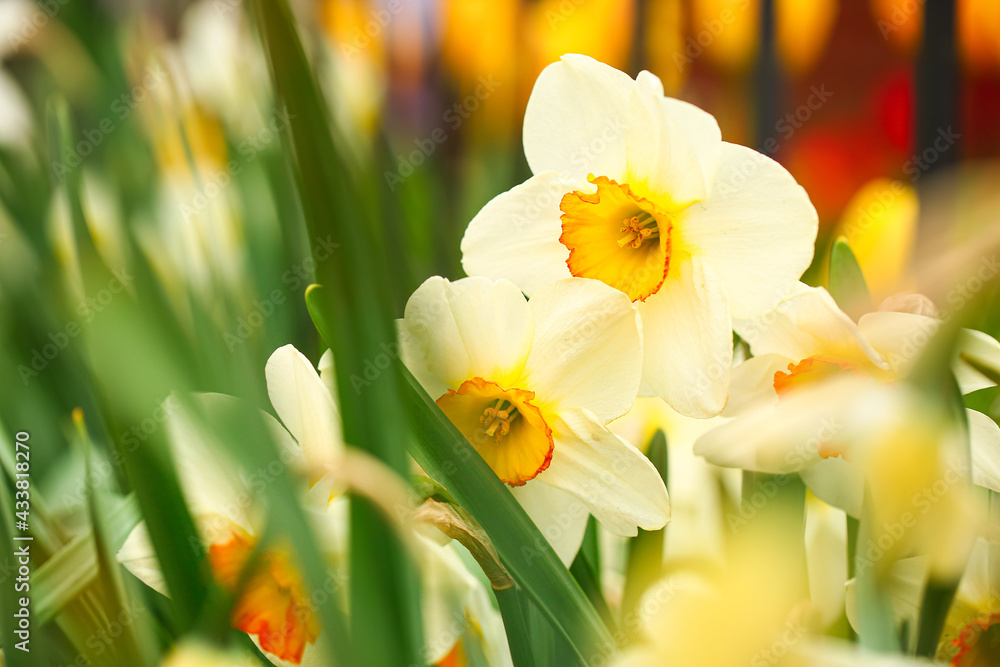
[(933, 612), (518, 638)]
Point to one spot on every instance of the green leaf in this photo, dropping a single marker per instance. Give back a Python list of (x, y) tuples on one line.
[(127, 647), (239, 426), (509, 601), (444, 453), (148, 469), (74, 567), (847, 282), (645, 550), (8, 597), (934, 608), (357, 325), (876, 622)]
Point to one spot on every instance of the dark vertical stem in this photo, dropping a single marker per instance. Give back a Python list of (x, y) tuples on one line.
[(937, 85), (639, 37), (768, 79)]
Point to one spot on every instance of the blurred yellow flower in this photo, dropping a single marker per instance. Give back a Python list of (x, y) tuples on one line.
[(728, 32), (880, 224), (978, 26)]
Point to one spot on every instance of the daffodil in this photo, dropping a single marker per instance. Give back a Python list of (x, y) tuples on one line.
[(276, 608), (638, 191), (969, 637), (531, 385), (748, 612), (790, 403)]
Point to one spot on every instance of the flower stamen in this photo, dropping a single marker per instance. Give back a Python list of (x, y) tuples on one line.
[(637, 229), (498, 418)]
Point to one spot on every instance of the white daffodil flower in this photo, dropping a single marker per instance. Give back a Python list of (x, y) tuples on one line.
[(531, 385), (639, 191), (224, 507), (969, 637), (789, 406), (748, 611)]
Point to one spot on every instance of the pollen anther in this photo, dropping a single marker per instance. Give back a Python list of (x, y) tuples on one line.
[(497, 419), (637, 229)]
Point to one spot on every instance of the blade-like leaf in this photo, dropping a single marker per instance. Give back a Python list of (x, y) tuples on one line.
[(359, 329), (847, 282)]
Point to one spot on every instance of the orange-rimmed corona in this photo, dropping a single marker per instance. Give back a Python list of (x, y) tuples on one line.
[(616, 237), (507, 430), (274, 605)]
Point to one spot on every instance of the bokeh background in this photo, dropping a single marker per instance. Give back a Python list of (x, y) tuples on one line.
[(160, 116)]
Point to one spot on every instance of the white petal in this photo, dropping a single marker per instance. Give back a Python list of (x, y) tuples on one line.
[(826, 558), (328, 374), (837, 653), (975, 588), (16, 125), (805, 324), (838, 483), (909, 302), (304, 405), (516, 235), (412, 353), (984, 441), (445, 586), (139, 558), (587, 349), (752, 383), (981, 347), (612, 478), (207, 475), (757, 229), (575, 121), (904, 586), (673, 147), (560, 516), (786, 437), (898, 337), (473, 327), (688, 340)]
